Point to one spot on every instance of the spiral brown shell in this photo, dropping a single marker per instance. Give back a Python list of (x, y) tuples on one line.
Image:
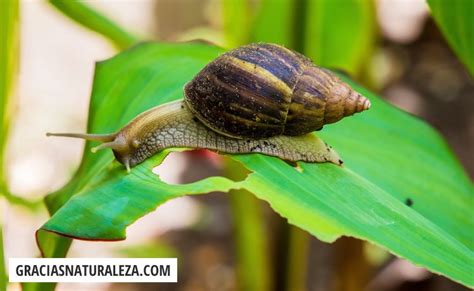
[(262, 90)]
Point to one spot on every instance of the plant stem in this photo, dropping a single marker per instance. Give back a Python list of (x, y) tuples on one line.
[(28, 204), (9, 22), (298, 239), (253, 270), (92, 19), (352, 269), (299, 24), (8, 67), (236, 18), (297, 260), (9, 48)]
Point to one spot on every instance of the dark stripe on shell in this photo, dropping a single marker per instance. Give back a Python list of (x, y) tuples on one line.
[(239, 86), (280, 62), (223, 83)]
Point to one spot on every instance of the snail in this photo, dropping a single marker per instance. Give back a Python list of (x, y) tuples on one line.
[(260, 98)]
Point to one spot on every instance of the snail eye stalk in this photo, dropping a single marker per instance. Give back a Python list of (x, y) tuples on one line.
[(86, 136)]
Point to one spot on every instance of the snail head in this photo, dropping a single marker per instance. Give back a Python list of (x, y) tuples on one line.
[(118, 142)]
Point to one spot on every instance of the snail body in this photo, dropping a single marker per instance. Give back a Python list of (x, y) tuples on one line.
[(257, 98)]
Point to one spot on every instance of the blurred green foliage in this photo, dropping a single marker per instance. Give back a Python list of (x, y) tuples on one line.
[(236, 24), (150, 250), (93, 20), (333, 33), (254, 271), (340, 33), (456, 20), (275, 22), (9, 23), (9, 12)]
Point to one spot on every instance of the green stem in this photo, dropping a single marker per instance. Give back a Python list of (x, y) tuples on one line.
[(28, 204), (92, 19), (352, 269), (298, 239), (9, 14), (236, 18), (9, 24), (253, 270), (297, 260), (299, 24)]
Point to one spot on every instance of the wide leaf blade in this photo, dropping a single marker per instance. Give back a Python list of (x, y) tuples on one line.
[(390, 156)]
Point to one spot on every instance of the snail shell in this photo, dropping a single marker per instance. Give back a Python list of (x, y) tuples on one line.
[(262, 90), (259, 98)]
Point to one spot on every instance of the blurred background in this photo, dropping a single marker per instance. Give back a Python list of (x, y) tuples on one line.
[(403, 57)]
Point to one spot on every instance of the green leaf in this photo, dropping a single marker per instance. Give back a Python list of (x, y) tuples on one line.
[(236, 15), (113, 209), (266, 29), (90, 18), (390, 157), (340, 33), (456, 22)]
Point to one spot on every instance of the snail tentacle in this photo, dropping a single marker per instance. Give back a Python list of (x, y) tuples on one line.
[(86, 136)]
